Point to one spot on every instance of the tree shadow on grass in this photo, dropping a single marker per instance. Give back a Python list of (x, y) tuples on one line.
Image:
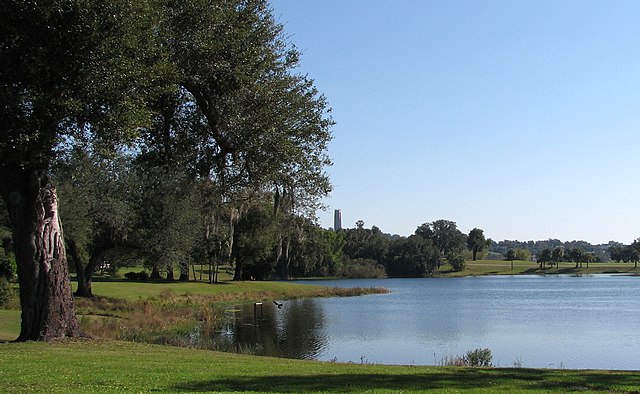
[(504, 380)]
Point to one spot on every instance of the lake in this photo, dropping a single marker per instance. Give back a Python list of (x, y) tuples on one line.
[(554, 321)]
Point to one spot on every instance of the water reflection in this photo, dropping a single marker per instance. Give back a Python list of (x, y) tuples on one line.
[(293, 331)]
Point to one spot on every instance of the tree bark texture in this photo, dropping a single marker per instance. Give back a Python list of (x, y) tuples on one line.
[(48, 310)]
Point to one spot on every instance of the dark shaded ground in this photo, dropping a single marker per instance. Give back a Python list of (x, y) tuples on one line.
[(503, 380)]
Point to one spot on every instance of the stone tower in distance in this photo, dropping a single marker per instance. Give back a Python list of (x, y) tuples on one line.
[(337, 220)]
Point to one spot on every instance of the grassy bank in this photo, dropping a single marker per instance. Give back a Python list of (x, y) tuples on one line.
[(499, 267), (223, 291), (88, 366)]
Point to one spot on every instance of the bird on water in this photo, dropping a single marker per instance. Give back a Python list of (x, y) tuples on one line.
[(279, 304)]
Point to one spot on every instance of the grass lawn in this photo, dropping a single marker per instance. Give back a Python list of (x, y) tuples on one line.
[(109, 366), (9, 324)]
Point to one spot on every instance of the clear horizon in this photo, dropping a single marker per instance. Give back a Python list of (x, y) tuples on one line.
[(519, 118)]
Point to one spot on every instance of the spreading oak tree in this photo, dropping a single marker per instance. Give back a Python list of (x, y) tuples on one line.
[(205, 88)]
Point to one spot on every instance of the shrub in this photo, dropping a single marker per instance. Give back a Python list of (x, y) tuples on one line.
[(142, 275), (361, 268), (455, 361), (479, 357), (6, 270), (457, 261), (473, 358)]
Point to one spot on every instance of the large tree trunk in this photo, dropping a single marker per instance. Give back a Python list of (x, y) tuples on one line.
[(237, 273), (48, 310)]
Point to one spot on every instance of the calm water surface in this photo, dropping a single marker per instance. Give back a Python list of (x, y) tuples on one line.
[(536, 321)]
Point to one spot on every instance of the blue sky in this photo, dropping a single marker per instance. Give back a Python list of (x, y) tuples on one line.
[(518, 117)]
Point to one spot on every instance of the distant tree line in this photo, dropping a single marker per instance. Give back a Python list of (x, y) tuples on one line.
[(626, 253), (535, 248), (420, 254)]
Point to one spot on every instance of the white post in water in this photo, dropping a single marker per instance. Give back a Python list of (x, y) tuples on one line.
[(255, 312)]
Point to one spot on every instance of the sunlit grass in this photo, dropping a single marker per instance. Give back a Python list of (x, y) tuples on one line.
[(249, 290), (109, 366)]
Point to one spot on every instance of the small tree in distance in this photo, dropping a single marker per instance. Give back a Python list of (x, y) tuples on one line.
[(544, 257), (557, 255), (476, 242), (510, 256)]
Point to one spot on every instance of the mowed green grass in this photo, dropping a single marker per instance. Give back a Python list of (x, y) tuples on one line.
[(109, 367)]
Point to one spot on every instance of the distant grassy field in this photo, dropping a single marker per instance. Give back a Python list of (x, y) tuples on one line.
[(499, 267), (109, 367)]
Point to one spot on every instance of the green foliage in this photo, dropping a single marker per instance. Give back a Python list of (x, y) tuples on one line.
[(6, 291), (362, 243), (544, 257), (479, 357), (444, 234), (254, 239), (621, 253), (557, 254), (361, 268), (523, 254), (8, 266), (168, 214), (476, 241), (457, 261), (96, 191), (51, 88), (6, 269), (142, 275), (414, 256), (602, 252), (473, 358), (616, 253), (313, 251)]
